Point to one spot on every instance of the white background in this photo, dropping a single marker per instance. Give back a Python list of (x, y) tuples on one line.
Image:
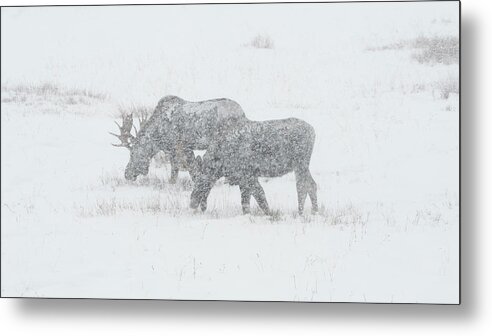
[(130, 318)]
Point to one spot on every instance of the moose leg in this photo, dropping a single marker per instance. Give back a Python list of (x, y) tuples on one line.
[(259, 195), (302, 189), (245, 198), (189, 156), (203, 202), (174, 168), (203, 205), (196, 168), (312, 191)]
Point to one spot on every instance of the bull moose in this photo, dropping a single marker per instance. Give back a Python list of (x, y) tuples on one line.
[(253, 149), (176, 127)]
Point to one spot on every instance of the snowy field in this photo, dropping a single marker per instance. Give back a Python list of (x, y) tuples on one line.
[(366, 76)]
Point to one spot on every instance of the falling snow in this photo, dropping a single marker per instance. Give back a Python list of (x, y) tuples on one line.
[(356, 107)]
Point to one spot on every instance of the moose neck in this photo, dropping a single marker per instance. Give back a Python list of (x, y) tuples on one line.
[(157, 133)]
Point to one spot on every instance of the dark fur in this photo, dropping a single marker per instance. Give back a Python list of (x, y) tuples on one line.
[(178, 127), (255, 149)]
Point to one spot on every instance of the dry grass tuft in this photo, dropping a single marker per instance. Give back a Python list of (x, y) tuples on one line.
[(276, 216), (23, 93), (430, 50), (113, 206), (446, 86), (261, 41), (437, 49), (345, 216), (151, 180)]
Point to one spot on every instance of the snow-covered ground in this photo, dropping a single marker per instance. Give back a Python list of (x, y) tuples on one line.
[(385, 159)]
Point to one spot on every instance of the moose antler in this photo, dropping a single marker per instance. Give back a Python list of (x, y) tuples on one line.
[(126, 137), (142, 119)]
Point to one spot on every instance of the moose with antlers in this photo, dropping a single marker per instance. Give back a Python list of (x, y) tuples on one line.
[(176, 127)]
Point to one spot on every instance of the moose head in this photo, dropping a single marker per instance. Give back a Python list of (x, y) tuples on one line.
[(142, 146)]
